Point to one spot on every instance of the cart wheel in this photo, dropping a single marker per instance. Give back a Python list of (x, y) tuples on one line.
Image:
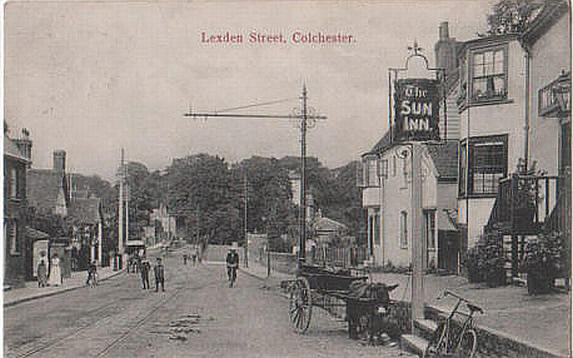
[(300, 305)]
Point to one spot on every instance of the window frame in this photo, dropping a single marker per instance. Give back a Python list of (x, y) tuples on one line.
[(13, 183), (430, 234), (467, 157), (12, 235), (471, 77), (376, 228), (403, 229), (371, 170)]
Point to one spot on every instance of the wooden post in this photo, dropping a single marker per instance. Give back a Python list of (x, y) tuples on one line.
[(417, 240)]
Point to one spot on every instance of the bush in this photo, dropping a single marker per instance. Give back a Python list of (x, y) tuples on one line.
[(470, 264), (485, 261), (543, 261)]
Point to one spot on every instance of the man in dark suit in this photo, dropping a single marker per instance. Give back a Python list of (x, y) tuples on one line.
[(144, 271), (159, 271)]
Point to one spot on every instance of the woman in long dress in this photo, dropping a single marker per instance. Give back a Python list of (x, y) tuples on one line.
[(55, 278)]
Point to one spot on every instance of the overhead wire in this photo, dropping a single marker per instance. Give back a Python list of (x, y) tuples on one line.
[(256, 105)]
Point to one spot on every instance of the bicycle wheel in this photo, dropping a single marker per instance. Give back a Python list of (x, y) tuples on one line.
[(468, 345), (438, 344)]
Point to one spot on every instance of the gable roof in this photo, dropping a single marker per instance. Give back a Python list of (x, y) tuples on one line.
[(85, 210), (43, 187), (445, 158), (551, 12), (12, 150), (384, 143), (326, 224), (35, 234), (444, 155)]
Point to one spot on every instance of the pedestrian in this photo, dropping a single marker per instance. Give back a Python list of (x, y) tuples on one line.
[(144, 271), (194, 256), (92, 272), (159, 271), (55, 277), (184, 259), (137, 263), (42, 274)]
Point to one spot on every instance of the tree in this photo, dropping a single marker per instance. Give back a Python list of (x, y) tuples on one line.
[(201, 191), (270, 205), (511, 16)]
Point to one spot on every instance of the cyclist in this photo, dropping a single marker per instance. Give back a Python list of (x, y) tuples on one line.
[(232, 265)]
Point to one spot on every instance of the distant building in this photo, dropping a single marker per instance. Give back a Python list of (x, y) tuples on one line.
[(18, 250), (51, 191), (167, 222), (86, 211), (48, 189), (327, 231)]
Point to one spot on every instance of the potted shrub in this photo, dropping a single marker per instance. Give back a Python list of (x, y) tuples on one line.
[(543, 262), (492, 259), (471, 266)]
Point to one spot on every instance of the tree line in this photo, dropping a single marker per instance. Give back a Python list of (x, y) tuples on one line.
[(206, 194)]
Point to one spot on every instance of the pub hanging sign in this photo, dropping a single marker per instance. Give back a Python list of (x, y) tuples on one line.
[(416, 108)]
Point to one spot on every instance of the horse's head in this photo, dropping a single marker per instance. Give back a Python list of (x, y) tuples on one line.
[(382, 293)]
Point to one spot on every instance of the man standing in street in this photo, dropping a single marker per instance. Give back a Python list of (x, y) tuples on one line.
[(92, 272), (159, 271), (144, 271)]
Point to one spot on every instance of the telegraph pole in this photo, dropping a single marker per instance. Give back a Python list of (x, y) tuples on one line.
[(246, 198), (120, 216), (307, 120), (302, 206)]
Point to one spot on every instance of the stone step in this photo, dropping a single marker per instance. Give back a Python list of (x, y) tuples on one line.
[(414, 344), (425, 328)]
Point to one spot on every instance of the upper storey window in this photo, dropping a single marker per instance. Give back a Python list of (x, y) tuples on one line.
[(489, 74), (483, 76)]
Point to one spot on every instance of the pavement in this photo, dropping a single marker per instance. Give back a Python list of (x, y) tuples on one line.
[(542, 321), (31, 291)]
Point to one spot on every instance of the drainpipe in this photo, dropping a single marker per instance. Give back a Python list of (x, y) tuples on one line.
[(527, 100), (382, 219)]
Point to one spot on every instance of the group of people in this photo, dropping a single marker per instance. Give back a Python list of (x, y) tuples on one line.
[(144, 268), (53, 277), (194, 257)]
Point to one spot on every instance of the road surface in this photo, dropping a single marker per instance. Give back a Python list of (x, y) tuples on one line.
[(197, 316)]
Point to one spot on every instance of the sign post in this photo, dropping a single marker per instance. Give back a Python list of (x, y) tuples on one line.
[(416, 121)]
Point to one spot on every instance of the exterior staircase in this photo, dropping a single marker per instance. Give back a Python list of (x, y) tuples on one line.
[(418, 342)]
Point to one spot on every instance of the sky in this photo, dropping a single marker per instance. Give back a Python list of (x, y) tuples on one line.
[(93, 77)]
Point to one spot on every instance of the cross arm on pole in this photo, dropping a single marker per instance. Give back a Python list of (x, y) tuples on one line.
[(224, 115)]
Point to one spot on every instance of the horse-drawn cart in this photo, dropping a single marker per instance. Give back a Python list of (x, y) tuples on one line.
[(316, 286)]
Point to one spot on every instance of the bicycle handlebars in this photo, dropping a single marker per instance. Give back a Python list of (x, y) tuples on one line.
[(468, 302)]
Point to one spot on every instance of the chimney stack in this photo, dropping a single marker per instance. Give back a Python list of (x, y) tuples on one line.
[(25, 144), (445, 49), (444, 31), (60, 160)]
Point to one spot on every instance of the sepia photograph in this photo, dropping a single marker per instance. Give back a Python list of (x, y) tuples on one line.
[(290, 178)]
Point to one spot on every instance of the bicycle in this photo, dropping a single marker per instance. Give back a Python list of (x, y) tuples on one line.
[(232, 272), (449, 341)]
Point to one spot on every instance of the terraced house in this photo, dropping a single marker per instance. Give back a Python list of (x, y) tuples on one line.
[(508, 115), (17, 249)]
